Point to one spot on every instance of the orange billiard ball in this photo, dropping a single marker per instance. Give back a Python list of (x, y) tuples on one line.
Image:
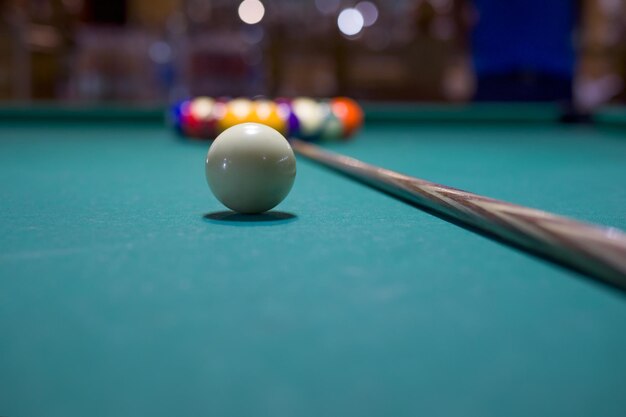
[(350, 114)]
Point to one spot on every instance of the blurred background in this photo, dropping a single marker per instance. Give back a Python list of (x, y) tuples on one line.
[(158, 51)]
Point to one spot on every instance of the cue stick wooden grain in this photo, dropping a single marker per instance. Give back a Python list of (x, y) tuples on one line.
[(597, 251)]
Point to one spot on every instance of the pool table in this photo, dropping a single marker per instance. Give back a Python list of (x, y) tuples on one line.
[(126, 289)]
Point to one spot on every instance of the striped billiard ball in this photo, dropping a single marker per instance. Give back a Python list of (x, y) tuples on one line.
[(331, 128), (310, 118)]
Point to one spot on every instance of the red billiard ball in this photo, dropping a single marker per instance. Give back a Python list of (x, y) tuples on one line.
[(189, 124), (204, 115)]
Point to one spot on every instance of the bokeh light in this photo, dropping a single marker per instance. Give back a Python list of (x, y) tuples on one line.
[(369, 11), (251, 11), (160, 52), (252, 34), (350, 21), (327, 6)]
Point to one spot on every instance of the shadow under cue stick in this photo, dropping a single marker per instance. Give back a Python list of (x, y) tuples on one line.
[(597, 251)]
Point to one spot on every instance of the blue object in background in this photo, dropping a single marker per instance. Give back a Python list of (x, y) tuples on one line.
[(523, 50)]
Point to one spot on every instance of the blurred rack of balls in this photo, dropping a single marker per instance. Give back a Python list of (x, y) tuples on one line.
[(316, 120)]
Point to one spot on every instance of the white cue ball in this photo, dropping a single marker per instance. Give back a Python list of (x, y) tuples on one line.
[(250, 168)]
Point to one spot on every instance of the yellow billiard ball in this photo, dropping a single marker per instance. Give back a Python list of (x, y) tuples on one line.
[(235, 112), (268, 113)]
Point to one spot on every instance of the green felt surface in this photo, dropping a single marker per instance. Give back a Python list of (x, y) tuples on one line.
[(125, 291)]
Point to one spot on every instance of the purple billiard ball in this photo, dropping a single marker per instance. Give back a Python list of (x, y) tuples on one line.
[(291, 120)]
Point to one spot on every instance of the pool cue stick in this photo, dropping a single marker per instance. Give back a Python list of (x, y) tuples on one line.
[(597, 251)]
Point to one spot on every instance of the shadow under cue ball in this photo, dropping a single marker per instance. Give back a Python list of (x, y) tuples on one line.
[(250, 168)]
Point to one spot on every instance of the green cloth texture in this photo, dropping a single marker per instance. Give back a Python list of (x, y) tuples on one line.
[(126, 289)]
